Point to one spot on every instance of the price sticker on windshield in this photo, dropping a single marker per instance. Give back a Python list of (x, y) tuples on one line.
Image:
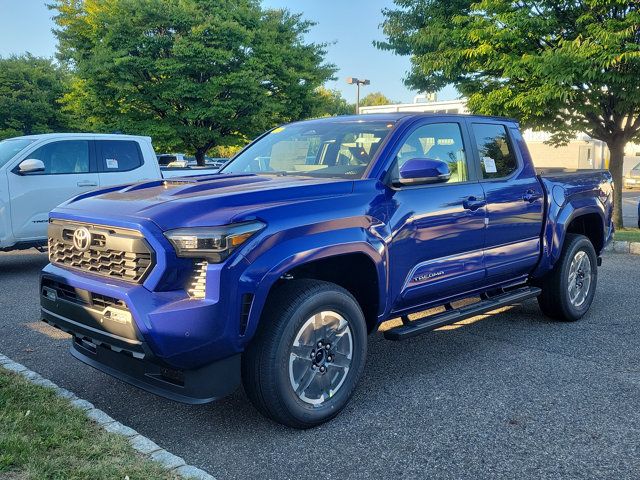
[(489, 165)]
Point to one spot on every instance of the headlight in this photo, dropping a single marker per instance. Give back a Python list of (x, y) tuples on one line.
[(212, 243)]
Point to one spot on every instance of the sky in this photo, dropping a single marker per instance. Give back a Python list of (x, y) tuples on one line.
[(349, 27)]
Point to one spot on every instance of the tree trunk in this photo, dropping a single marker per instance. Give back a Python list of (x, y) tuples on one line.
[(616, 149), (200, 153)]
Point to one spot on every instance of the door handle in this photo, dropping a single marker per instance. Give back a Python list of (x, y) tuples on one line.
[(87, 184), (531, 196), (473, 203)]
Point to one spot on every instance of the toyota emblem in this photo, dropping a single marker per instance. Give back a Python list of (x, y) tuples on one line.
[(82, 239)]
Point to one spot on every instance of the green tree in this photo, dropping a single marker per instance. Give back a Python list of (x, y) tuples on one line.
[(30, 92), (374, 99), (562, 66), (330, 103), (192, 73)]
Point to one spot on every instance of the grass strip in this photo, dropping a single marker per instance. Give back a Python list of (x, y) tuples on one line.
[(43, 437), (628, 235)]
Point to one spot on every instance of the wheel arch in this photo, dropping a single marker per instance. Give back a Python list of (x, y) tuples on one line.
[(329, 263), (586, 217)]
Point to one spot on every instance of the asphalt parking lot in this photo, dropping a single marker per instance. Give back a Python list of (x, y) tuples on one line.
[(509, 395), (630, 200)]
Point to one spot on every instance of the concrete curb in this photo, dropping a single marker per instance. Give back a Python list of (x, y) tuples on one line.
[(619, 246), (140, 443)]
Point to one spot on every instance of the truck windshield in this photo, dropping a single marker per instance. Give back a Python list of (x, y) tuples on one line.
[(10, 148), (332, 149)]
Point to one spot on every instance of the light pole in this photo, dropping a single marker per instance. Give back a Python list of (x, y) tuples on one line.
[(357, 82)]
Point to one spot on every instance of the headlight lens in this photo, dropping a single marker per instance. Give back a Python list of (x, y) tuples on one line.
[(212, 243)]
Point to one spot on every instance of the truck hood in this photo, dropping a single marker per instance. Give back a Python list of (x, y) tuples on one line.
[(202, 201)]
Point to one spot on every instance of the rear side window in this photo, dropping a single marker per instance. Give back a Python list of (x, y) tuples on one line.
[(66, 156), (497, 159), (118, 155)]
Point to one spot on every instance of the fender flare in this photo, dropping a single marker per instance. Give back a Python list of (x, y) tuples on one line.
[(558, 219), (265, 270)]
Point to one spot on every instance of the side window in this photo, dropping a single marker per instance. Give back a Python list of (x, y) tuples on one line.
[(118, 155), (65, 156), (496, 155), (438, 141)]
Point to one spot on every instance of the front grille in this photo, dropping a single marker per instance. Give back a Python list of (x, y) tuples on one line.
[(112, 252), (83, 297), (90, 316)]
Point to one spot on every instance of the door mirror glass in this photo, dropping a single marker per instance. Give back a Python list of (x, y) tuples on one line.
[(423, 170), (31, 165)]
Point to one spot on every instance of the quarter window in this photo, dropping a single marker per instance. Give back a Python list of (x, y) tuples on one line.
[(437, 141), (496, 156), (119, 155), (67, 156)]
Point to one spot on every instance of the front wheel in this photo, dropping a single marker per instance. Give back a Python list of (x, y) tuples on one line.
[(567, 292), (303, 365)]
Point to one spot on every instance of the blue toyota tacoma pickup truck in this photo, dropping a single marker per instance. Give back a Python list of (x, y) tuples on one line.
[(273, 272)]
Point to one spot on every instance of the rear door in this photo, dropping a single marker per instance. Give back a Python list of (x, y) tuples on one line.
[(515, 201), (69, 171), (120, 161)]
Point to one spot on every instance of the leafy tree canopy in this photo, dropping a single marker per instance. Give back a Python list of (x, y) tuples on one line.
[(30, 92), (563, 66), (374, 99), (331, 103), (190, 73)]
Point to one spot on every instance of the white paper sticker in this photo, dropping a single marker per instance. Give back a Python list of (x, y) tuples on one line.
[(489, 165), (112, 163)]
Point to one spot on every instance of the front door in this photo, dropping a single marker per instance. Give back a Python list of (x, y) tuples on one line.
[(67, 173), (436, 249), (515, 201)]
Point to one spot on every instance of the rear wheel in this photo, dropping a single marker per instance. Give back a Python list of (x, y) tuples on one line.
[(308, 354), (567, 292)]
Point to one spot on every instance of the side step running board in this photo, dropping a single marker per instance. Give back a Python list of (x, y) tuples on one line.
[(424, 325)]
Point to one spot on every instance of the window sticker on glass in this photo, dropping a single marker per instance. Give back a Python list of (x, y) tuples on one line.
[(489, 165), (111, 163)]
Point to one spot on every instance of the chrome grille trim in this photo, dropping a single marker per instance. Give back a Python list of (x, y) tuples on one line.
[(114, 252)]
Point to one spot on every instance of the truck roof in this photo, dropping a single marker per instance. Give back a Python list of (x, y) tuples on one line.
[(43, 136), (395, 116)]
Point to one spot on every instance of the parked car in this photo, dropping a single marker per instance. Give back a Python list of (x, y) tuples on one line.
[(215, 162), (180, 160), (275, 271), (166, 159), (632, 179), (39, 172)]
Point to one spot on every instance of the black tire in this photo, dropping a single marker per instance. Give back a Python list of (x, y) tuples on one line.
[(555, 300), (266, 361)]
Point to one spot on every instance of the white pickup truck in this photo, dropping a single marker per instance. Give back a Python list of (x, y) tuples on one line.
[(39, 172)]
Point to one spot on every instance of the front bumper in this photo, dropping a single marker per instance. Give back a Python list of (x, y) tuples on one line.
[(166, 345)]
